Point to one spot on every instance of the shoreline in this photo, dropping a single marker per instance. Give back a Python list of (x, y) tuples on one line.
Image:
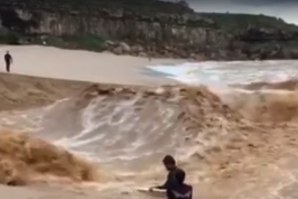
[(151, 58), (79, 65)]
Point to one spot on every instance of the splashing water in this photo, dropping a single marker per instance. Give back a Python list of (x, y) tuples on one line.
[(129, 131)]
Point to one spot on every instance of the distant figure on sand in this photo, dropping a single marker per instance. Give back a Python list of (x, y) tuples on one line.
[(175, 186), (8, 61)]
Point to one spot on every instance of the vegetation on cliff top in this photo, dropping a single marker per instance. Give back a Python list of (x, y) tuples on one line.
[(234, 22), (226, 34), (139, 6), (225, 21)]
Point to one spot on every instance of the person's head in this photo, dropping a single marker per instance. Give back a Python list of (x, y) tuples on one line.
[(180, 176), (169, 162)]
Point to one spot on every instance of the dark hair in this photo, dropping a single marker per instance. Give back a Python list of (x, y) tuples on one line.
[(168, 159), (180, 176)]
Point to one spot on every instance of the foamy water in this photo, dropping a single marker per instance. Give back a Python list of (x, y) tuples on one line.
[(221, 74), (130, 132), (110, 131), (106, 131)]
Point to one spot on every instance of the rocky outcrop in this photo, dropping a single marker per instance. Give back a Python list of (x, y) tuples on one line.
[(262, 43), (168, 35), (187, 35)]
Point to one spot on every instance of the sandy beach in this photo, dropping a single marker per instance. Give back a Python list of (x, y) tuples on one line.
[(83, 65)]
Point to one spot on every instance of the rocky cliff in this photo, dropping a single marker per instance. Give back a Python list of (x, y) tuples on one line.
[(146, 28)]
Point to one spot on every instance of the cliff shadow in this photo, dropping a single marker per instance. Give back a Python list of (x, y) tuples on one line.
[(13, 22)]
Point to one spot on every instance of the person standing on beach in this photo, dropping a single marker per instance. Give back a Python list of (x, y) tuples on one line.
[(8, 61)]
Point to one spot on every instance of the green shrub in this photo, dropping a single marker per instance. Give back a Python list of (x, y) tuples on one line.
[(10, 38), (87, 42)]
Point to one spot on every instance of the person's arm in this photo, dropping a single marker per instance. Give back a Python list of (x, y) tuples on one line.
[(162, 187), (166, 185)]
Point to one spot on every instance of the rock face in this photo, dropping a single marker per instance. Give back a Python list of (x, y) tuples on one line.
[(187, 35)]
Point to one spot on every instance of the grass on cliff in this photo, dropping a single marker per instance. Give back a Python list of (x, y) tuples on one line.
[(237, 22), (10, 38), (86, 42), (137, 6)]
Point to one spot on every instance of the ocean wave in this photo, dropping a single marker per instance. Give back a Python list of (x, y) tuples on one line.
[(288, 85), (226, 137), (223, 74), (115, 125), (24, 159), (122, 124)]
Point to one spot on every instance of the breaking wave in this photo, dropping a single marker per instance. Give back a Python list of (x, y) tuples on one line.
[(290, 85), (25, 159), (223, 132), (222, 74), (135, 127)]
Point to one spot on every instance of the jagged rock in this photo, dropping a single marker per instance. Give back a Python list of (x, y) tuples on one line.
[(137, 49), (125, 47), (109, 43), (143, 54), (118, 50)]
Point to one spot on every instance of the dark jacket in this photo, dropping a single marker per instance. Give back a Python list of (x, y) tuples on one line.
[(171, 181), (174, 189), (8, 58), (183, 191)]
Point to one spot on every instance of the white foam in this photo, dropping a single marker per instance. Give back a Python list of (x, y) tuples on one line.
[(112, 130), (192, 73), (221, 74)]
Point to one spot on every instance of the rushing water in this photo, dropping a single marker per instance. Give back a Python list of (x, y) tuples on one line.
[(108, 130), (230, 73), (133, 131)]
